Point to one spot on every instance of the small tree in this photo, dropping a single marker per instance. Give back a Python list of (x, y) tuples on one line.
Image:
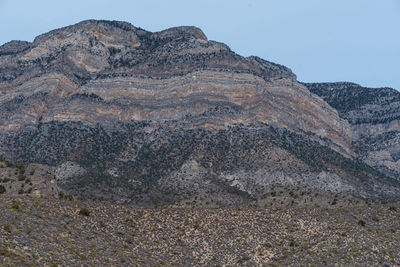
[(2, 189), (84, 212)]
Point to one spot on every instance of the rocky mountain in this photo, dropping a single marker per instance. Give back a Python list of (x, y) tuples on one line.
[(374, 116), (123, 114)]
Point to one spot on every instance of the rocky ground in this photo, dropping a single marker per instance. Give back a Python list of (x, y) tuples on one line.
[(45, 231)]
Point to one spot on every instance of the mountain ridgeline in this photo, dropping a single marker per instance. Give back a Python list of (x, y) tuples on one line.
[(121, 114)]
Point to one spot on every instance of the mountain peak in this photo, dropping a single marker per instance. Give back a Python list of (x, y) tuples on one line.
[(118, 30), (101, 29), (184, 31)]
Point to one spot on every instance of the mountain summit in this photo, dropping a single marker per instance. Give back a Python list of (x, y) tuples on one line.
[(120, 113)]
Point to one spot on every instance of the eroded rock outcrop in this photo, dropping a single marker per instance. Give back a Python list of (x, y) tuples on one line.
[(374, 116)]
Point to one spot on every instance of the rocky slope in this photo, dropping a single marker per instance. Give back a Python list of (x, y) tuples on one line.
[(119, 113), (374, 116), (35, 180)]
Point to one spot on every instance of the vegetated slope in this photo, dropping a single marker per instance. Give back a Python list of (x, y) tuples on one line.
[(128, 163), (34, 179), (46, 231), (374, 115), (120, 113)]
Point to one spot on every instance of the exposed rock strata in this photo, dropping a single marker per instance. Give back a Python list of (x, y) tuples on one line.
[(374, 115), (126, 114)]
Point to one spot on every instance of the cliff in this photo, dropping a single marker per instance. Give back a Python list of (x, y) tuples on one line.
[(374, 116)]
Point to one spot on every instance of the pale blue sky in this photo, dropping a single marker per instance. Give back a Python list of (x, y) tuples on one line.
[(320, 40)]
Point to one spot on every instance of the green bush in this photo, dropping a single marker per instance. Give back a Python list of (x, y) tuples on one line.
[(391, 208), (61, 195), (84, 212), (9, 163), (7, 228), (21, 168), (21, 177), (15, 205), (243, 259)]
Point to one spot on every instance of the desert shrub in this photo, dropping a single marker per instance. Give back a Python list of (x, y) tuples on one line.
[(2, 189), (361, 223), (62, 195), (7, 228), (9, 163), (391, 208), (267, 245), (84, 212), (15, 205), (243, 259), (21, 177), (19, 166)]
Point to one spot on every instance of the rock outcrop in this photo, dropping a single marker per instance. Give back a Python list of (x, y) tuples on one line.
[(374, 116)]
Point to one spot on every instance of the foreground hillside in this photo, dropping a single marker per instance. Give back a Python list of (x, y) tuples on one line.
[(47, 231)]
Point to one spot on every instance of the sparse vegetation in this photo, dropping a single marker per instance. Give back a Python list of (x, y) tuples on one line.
[(15, 205), (2, 189), (7, 228), (214, 236), (361, 223), (391, 208), (84, 212)]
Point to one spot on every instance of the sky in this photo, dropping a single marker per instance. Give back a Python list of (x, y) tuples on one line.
[(320, 40)]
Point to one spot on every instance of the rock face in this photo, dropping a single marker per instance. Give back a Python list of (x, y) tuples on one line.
[(125, 114), (374, 116)]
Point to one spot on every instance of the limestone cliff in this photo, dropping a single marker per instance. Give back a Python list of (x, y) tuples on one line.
[(374, 116)]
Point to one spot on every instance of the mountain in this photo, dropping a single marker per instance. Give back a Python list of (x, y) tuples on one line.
[(374, 116), (122, 114)]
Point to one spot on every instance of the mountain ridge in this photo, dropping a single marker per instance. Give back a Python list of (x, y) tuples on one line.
[(129, 115)]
